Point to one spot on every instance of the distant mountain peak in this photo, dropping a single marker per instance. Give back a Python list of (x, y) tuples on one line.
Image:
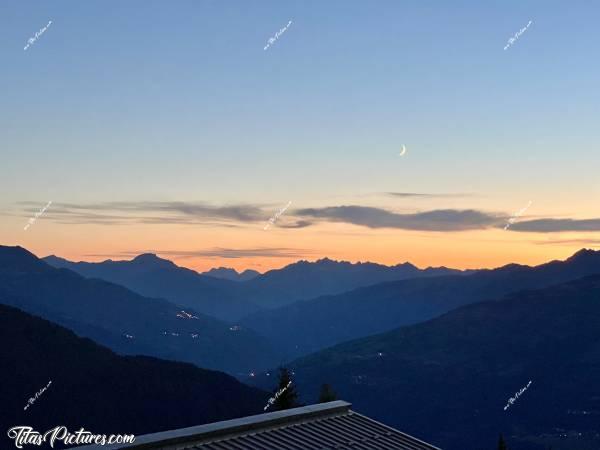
[(223, 269), (250, 271), (151, 259), (227, 273), (56, 261), (327, 260), (584, 253), (14, 250), (146, 257), (18, 258), (412, 266)]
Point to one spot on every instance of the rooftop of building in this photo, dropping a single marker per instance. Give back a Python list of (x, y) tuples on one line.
[(331, 425)]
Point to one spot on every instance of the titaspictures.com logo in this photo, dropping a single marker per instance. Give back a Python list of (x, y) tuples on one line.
[(24, 435)]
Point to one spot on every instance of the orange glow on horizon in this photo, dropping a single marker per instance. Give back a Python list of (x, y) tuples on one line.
[(241, 248)]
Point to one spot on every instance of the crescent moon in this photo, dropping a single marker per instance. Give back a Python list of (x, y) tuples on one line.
[(403, 150)]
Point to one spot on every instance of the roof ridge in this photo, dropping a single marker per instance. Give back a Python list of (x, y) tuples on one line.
[(331, 425), (227, 429)]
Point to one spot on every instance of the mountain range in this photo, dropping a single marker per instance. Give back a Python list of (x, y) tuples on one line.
[(438, 355), (125, 321), (305, 280), (329, 320), (152, 276)]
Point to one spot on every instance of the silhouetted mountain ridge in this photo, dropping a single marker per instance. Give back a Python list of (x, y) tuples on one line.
[(329, 320), (125, 321), (151, 261), (231, 300), (17, 259), (305, 280), (151, 276)]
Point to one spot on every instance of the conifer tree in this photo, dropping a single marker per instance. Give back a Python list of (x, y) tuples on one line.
[(286, 394), (327, 394), (502, 444)]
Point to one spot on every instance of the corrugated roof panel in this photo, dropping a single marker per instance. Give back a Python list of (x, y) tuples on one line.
[(347, 431), (289, 436), (365, 446), (218, 446), (401, 442), (328, 426), (270, 442), (326, 433), (357, 430), (313, 439), (392, 434), (250, 443)]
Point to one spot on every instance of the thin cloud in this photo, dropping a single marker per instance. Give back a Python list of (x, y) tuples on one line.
[(239, 215), (577, 242), (216, 252), (436, 220), (115, 213), (556, 225), (420, 194), (282, 252), (297, 224)]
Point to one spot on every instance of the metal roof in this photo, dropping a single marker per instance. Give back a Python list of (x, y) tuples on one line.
[(324, 426)]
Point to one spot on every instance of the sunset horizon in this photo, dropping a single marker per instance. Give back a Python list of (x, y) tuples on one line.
[(204, 264), (300, 224)]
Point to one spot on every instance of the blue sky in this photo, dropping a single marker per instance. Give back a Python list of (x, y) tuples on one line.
[(178, 101)]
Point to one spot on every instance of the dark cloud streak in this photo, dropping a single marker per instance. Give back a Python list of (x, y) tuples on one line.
[(195, 213), (436, 220), (556, 225), (239, 215)]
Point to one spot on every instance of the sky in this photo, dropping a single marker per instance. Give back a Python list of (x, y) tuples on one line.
[(166, 127)]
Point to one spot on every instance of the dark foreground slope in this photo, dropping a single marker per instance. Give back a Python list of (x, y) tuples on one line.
[(125, 321), (449, 379), (374, 309), (96, 389)]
